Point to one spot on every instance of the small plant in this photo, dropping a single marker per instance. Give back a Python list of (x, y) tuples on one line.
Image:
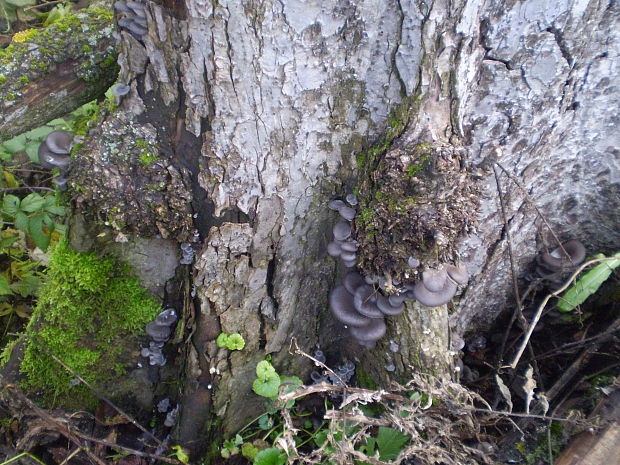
[(588, 284), (180, 454), (231, 341)]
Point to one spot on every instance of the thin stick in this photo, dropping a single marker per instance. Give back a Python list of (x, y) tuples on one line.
[(70, 456), (101, 396), (26, 188), (135, 452), (59, 426), (542, 305)]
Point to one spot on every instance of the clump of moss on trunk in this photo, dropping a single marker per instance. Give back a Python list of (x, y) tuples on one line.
[(90, 314)]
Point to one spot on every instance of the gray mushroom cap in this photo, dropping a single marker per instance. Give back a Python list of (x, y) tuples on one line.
[(348, 256), (365, 300), (341, 231), (434, 280), (352, 281), (121, 6), (434, 299), (120, 89), (60, 142), (167, 318), (387, 308), (557, 259), (158, 332), (334, 249), (336, 205), (347, 213), (349, 246), (341, 305), (396, 300), (351, 199), (457, 273), (413, 262), (349, 263), (51, 160), (371, 332)]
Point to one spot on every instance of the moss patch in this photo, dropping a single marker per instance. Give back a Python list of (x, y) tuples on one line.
[(89, 315)]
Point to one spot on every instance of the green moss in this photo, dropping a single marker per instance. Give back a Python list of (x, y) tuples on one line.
[(88, 315), (147, 158), (2, 79), (24, 79), (10, 96), (364, 379)]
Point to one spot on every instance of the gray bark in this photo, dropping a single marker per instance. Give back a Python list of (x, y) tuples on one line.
[(266, 104)]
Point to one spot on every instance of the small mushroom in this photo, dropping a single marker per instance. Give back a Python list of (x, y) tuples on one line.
[(342, 231), (352, 281), (413, 262), (334, 249), (167, 318), (347, 213), (371, 332), (341, 305), (434, 299), (434, 280), (51, 160), (458, 273), (349, 246), (336, 205), (365, 300), (60, 142), (158, 333), (383, 303), (351, 199), (569, 255)]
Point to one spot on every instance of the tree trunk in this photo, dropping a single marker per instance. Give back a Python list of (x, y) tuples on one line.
[(252, 116)]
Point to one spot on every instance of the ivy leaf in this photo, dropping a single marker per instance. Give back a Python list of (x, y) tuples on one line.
[(235, 342), (267, 387), (264, 370), (7, 241), (222, 340), (390, 442), (32, 203), (588, 284), (10, 204), (271, 456), (249, 451), (265, 422), (4, 286), (35, 229)]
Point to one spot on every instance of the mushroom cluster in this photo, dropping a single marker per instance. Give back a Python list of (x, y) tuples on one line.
[(55, 152), (159, 330), (188, 253), (553, 266), (133, 18), (362, 302)]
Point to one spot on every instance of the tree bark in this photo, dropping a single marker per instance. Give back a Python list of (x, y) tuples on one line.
[(256, 112)]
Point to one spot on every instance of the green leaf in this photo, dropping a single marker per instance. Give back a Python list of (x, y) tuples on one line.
[(265, 422), (14, 145), (180, 454), (4, 286), (35, 229), (235, 342), (222, 340), (588, 284), (390, 442), (55, 210), (32, 203), (271, 456), (267, 387), (249, 451), (7, 241), (20, 3), (264, 370), (21, 221), (27, 286), (10, 204), (10, 179)]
